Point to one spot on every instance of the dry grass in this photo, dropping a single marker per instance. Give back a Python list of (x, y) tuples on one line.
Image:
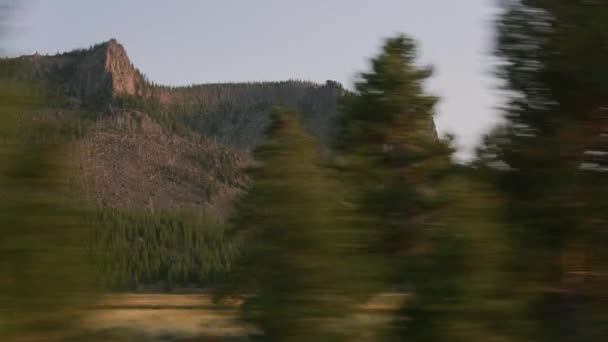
[(194, 316), (183, 316)]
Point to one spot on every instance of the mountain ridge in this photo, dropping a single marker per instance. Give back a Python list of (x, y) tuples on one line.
[(109, 61), (156, 147)]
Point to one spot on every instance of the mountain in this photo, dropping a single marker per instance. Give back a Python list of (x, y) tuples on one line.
[(143, 145)]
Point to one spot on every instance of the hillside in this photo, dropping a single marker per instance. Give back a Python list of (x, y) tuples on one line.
[(159, 147), (130, 161)]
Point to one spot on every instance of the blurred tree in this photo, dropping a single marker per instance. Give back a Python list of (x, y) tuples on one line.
[(390, 154), (299, 263), (45, 275), (553, 55)]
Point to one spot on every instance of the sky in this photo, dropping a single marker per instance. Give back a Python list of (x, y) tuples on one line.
[(200, 41)]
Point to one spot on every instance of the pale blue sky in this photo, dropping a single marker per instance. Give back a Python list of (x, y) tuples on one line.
[(194, 41)]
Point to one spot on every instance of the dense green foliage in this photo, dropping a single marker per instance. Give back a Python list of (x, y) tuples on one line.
[(300, 263), (142, 250), (554, 56), (45, 273), (394, 164)]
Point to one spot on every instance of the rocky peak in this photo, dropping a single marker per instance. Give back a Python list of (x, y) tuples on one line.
[(92, 75), (125, 79)]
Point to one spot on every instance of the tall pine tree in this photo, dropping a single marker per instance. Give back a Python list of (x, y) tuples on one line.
[(299, 265), (394, 161), (544, 158)]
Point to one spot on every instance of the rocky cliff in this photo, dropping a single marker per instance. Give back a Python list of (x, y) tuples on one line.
[(125, 79), (93, 75)]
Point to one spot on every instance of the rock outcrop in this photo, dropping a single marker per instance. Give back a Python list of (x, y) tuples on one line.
[(93, 75), (125, 79)]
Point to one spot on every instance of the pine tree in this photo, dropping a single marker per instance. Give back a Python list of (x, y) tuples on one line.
[(553, 54), (299, 263), (394, 162)]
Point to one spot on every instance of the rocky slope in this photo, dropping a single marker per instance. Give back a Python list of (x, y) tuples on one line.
[(130, 161)]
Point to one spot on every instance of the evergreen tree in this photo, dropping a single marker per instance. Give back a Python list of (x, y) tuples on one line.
[(391, 156), (136, 250), (553, 54), (299, 261)]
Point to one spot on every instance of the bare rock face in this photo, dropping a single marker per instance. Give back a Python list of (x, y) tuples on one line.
[(108, 71), (125, 79)]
